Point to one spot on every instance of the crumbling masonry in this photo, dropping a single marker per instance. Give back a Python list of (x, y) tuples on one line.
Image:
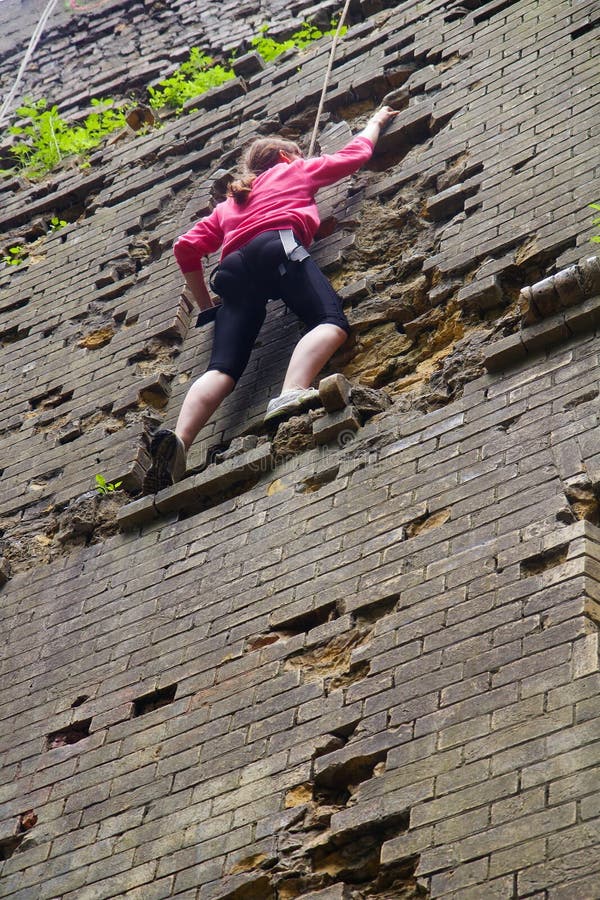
[(357, 656)]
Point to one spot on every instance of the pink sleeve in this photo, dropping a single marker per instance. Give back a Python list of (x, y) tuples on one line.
[(205, 237), (324, 170)]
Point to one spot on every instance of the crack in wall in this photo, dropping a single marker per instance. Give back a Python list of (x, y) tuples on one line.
[(310, 859), (331, 662)]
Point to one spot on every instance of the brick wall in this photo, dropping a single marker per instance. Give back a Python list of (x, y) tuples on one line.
[(359, 668)]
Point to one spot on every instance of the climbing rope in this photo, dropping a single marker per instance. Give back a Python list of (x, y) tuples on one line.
[(76, 6), (327, 76), (91, 5), (37, 33)]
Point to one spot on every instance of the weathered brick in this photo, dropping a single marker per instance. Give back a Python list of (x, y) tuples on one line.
[(525, 854), (505, 353), (456, 880), (468, 798), (495, 889), (562, 870)]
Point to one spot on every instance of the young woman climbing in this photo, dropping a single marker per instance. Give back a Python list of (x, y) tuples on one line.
[(264, 227)]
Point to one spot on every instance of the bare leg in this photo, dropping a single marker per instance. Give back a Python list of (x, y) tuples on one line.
[(310, 355), (201, 401)]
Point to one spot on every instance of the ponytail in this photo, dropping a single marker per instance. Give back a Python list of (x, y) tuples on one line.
[(261, 155), (240, 189)]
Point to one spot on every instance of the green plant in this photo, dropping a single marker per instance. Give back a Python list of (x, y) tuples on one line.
[(56, 224), (47, 138), (199, 72), (270, 49), (14, 256), (106, 487), (195, 76), (596, 237)]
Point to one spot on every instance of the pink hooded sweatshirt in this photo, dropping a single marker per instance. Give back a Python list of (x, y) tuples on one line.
[(281, 197)]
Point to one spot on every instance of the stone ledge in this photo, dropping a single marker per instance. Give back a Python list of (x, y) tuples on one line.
[(334, 392), (196, 489), (214, 480), (217, 96), (246, 884), (584, 317), (564, 290), (334, 892), (484, 293), (137, 513), (504, 353), (408, 128), (543, 334), (341, 424), (249, 64), (452, 200)]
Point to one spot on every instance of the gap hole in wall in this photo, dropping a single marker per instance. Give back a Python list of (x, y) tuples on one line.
[(78, 701), (154, 700), (584, 29), (540, 562), (310, 619), (9, 845), (72, 734)]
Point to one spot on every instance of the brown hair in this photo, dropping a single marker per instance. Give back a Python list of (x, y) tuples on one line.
[(261, 155)]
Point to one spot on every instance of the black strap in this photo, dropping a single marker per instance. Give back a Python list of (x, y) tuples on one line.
[(211, 278), (206, 316)]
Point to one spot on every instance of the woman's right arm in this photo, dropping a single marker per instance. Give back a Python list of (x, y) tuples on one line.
[(205, 237), (198, 290), (327, 169)]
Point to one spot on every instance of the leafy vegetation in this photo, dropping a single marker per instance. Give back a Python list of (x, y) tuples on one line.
[(199, 72), (106, 487), (14, 256), (56, 224), (47, 139), (196, 75), (270, 49), (596, 237), (18, 254)]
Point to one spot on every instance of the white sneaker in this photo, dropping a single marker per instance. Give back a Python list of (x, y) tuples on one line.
[(291, 402)]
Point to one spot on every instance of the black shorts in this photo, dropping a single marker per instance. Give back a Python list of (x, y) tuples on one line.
[(250, 276)]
